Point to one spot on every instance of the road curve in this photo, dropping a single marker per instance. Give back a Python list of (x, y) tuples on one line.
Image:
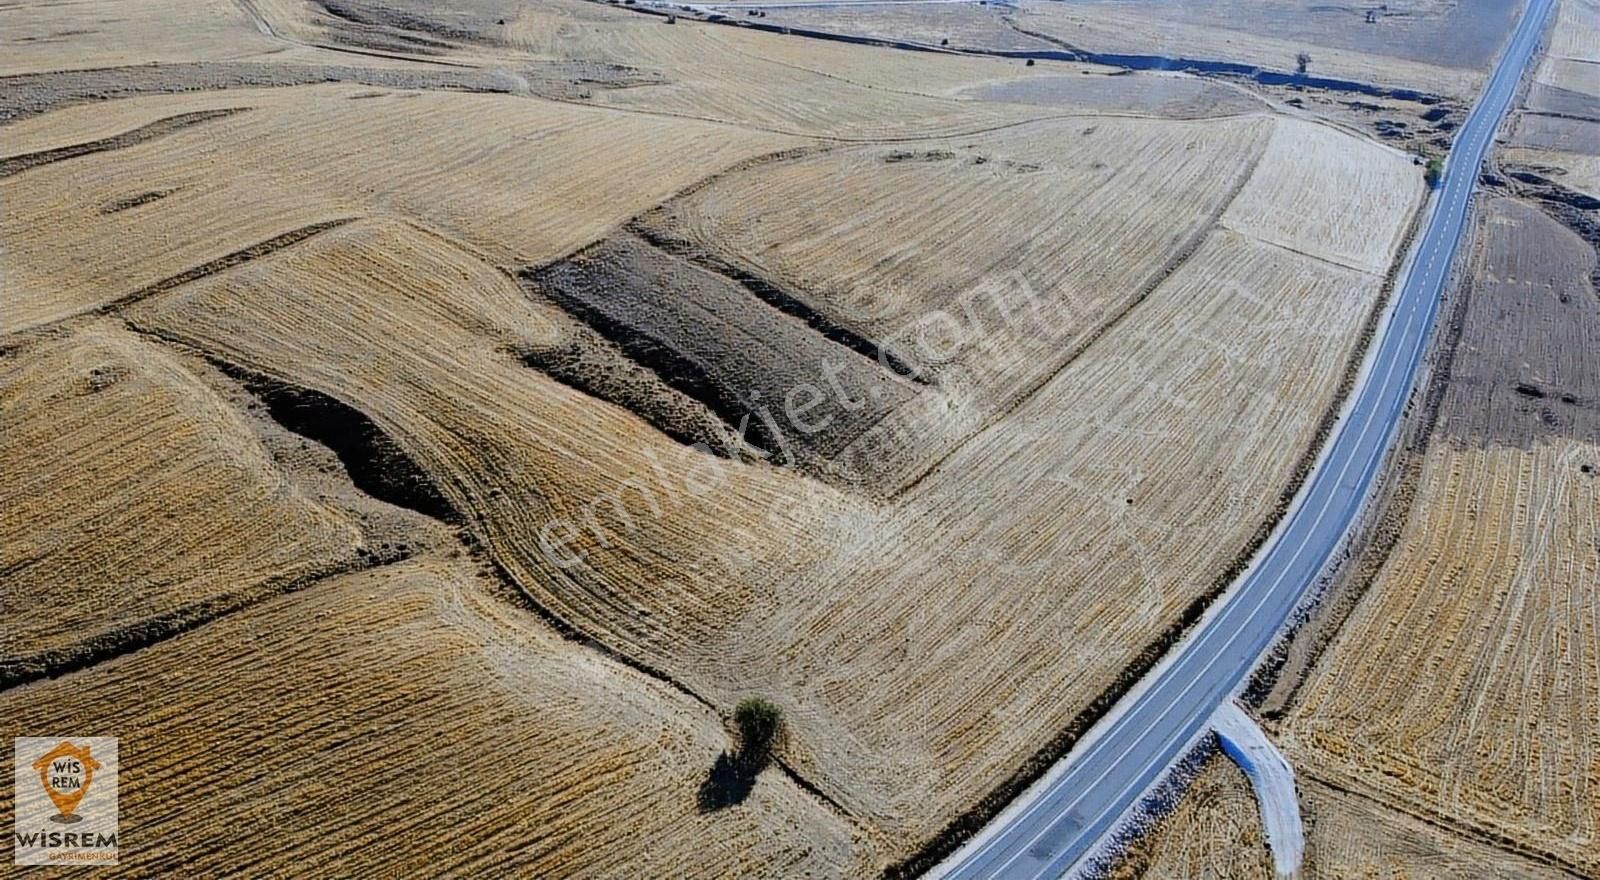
[(1046, 831)]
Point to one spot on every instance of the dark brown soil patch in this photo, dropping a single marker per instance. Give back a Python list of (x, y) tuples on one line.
[(1532, 332), (596, 366), (134, 201), (377, 465), (1562, 133), (784, 386)]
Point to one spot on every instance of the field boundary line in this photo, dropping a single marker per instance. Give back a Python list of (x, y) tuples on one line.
[(1449, 824), (1152, 283), (21, 670), (167, 125)]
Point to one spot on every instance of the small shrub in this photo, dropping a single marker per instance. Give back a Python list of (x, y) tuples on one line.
[(759, 722), (1434, 172)]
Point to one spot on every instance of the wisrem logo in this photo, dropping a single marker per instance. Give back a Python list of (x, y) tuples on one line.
[(71, 782)]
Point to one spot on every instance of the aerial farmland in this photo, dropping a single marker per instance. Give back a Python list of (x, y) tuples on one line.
[(622, 439), (1447, 685)]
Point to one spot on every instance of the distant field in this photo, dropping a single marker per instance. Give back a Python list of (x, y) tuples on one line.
[(1574, 49), (1439, 47), (326, 154), (1171, 96), (1163, 29), (1438, 50), (1559, 131), (104, 33), (1562, 114), (1463, 34)]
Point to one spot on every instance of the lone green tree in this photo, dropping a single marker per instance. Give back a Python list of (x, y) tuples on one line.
[(1301, 62), (759, 722), (733, 777), (1434, 172)]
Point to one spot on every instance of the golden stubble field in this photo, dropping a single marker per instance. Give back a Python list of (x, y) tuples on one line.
[(779, 585), (135, 494), (1448, 727), (1464, 685), (399, 722), (1215, 832), (224, 331)]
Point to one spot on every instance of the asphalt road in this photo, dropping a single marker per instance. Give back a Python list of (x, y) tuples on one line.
[(1061, 818)]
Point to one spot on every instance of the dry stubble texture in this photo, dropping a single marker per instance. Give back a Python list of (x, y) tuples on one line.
[(132, 494), (1465, 684), (1215, 833), (919, 652), (401, 722), (988, 262), (522, 180)]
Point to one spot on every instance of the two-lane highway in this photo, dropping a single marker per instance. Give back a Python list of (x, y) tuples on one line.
[(1062, 816)]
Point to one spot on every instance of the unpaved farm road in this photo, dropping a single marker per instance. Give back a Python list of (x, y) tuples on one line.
[(1050, 828)]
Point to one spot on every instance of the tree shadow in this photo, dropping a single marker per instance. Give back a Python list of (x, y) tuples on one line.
[(733, 776), (730, 781)]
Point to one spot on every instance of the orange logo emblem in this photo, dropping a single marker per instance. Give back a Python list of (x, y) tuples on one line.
[(65, 772)]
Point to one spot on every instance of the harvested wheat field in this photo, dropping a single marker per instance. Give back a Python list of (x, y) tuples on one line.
[(1165, 95), (322, 156), (1574, 49), (989, 313), (99, 33), (1442, 48), (1457, 701), (964, 25), (1573, 171), (1464, 686), (544, 472), (408, 705), (528, 385), (1559, 124), (1215, 832), (180, 511), (1403, 73), (1426, 44), (1440, 709)]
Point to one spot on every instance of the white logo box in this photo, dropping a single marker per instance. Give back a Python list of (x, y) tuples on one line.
[(65, 798)]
